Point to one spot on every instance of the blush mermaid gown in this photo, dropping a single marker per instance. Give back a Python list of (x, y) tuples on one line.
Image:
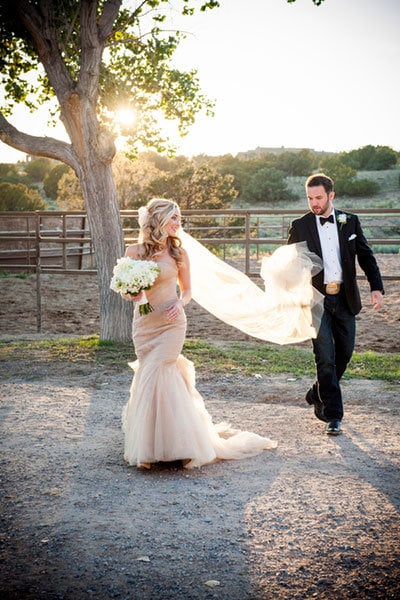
[(165, 418)]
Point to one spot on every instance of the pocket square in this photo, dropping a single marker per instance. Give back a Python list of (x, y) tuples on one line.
[(352, 237)]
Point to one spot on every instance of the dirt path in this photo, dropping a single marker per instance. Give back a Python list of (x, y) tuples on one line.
[(316, 518)]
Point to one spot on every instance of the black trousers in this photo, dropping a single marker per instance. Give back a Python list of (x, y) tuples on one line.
[(333, 348)]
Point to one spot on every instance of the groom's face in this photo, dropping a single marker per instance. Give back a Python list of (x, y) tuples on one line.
[(320, 201)]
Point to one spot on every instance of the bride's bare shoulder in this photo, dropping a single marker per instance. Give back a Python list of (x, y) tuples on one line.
[(134, 251)]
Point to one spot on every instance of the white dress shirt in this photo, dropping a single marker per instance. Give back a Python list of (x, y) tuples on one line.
[(329, 238)]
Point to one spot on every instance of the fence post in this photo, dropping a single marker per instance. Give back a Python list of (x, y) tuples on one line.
[(38, 280), (247, 248), (82, 246), (64, 243)]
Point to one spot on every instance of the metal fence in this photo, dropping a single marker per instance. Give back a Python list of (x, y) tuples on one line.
[(60, 242)]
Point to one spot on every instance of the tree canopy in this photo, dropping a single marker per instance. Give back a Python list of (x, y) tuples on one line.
[(117, 54)]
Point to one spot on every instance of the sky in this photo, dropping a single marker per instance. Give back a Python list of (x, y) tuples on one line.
[(292, 75)]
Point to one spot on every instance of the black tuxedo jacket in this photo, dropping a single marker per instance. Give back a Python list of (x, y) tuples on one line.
[(352, 244)]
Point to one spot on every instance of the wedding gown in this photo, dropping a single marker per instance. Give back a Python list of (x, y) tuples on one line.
[(165, 418)]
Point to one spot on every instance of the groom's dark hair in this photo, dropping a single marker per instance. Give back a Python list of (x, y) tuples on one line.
[(320, 179)]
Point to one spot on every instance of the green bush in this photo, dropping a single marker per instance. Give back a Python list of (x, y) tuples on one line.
[(371, 158), (37, 169), (50, 182), (267, 185), (17, 196), (360, 187), (9, 173)]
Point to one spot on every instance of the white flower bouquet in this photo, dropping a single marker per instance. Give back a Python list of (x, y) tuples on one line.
[(134, 276)]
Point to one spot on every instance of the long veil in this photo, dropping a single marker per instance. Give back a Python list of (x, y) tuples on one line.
[(288, 311)]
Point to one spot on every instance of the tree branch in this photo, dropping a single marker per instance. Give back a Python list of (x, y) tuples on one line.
[(134, 15), (107, 19), (39, 22), (71, 29), (91, 50), (38, 146)]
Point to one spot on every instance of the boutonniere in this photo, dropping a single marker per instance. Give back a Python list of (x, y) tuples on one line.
[(342, 219)]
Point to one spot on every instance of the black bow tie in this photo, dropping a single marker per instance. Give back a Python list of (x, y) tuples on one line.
[(323, 220)]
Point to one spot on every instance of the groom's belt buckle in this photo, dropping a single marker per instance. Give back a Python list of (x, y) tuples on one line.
[(332, 288)]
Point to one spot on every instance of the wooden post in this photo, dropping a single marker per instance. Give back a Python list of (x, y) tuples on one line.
[(247, 237), (38, 280), (64, 243)]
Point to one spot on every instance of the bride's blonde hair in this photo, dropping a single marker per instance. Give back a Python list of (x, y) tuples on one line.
[(153, 233)]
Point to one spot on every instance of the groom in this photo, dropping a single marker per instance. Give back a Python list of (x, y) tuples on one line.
[(338, 239)]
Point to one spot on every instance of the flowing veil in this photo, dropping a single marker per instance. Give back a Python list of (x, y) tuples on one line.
[(288, 311)]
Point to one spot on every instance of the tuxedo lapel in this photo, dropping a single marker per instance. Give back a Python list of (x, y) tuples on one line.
[(341, 232), (311, 224)]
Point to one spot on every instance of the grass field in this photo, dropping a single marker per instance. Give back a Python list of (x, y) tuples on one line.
[(227, 357)]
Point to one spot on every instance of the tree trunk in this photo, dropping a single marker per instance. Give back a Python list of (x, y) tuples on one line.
[(95, 149), (106, 231)]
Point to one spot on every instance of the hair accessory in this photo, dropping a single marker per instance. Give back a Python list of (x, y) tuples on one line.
[(143, 214)]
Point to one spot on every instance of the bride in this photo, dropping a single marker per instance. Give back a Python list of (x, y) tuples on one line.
[(165, 418)]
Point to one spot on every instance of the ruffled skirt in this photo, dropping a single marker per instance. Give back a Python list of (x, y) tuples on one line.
[(165, 418)]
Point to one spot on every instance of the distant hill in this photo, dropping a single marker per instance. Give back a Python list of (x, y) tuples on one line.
[(259, 151)]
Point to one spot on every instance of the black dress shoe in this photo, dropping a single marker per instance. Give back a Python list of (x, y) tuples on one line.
[(333, 428), (318, 406)]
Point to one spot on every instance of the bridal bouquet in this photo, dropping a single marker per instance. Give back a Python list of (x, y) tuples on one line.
[(134, 276)]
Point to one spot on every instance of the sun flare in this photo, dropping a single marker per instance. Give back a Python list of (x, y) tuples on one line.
[(125, 117)]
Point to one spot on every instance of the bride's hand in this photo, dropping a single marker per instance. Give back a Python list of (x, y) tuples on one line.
[(174, 310), (133, 297)]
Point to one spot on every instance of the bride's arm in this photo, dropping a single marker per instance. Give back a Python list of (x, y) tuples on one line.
[(184, 279), (185, 288)]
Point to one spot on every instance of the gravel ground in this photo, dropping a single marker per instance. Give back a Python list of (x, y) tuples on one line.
[(316, 518)]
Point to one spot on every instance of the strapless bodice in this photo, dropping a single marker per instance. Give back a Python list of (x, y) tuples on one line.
[(165, 286)]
